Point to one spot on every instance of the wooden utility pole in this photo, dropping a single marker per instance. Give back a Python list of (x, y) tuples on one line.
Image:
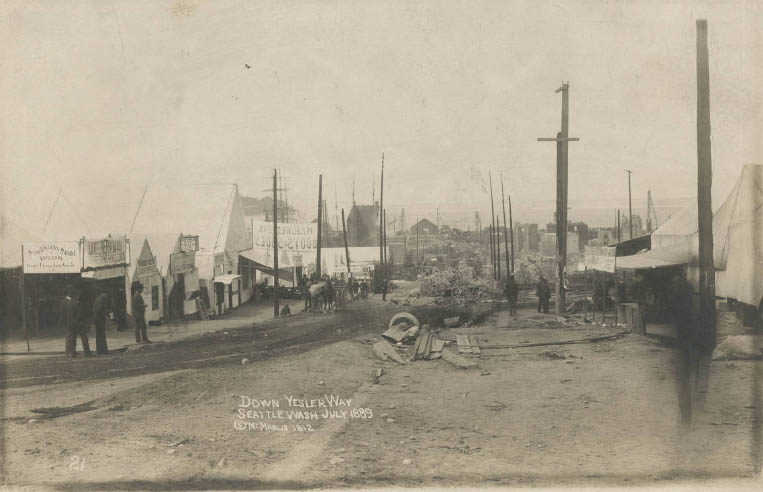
[(562, 141), (23, 301), (492, 232), (492, 245), (498, 249), (346, 248), (381, 215), (318, 249), (704, 185), (384, 245), (630, 207), (417, 245), (276, 311), (511, 233), (509, 268), (617, 212)]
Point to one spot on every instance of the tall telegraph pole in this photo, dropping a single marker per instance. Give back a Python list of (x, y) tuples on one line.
[(276, 311), (704, 185), (562, 139), (630, 206)]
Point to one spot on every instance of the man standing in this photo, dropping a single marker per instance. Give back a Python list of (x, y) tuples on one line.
[(139, 315), (99, 318), (306, 283), (68, 319), (84, 320), (543, 291), (511, 291)]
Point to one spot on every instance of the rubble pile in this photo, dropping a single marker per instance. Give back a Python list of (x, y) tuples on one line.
[(455, 285)]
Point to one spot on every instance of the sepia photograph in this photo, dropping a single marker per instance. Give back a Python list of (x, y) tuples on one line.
[(381, 245)]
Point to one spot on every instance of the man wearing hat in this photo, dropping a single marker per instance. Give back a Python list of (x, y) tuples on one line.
[(511, 291), (139, 314), (100, 308)]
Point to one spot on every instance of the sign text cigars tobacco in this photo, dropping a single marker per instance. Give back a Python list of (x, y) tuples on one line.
[(58, 257)]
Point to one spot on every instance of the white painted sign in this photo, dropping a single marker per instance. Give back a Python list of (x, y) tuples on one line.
[(296, 237), (58, 257), (601, 258)]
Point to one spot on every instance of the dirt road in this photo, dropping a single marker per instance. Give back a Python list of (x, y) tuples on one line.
[(310, 412)]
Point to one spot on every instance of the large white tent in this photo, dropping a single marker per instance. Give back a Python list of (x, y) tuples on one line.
[(737, 242)]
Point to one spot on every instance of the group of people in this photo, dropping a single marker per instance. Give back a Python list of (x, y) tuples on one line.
[(542, 290), (79, 310)]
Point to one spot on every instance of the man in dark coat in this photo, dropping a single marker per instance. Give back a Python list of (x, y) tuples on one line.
[(306, 283), (68, 315), (511, 291), (84, 319), (139, 315), (120, 310), (543, 291), (100, 308)]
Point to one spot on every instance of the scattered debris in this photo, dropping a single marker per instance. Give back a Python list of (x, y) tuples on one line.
[(553, 355), (178, 443), (221, 462), (244, 361), (401, 326), (407, 461), (54, 412), (321, 382), (383, 350), (457, 360), (451, 322), (171, 451)]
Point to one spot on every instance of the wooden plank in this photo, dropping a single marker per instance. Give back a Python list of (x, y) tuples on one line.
[(437, 345), (417, 345), (464, 346), (424, 337), (475, 346), (428, 346), (384, 351)]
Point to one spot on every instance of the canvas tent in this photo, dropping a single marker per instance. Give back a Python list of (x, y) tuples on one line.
[(737, 241), (212, 212)]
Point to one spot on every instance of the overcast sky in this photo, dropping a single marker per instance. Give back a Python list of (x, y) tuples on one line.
[(191, 91)]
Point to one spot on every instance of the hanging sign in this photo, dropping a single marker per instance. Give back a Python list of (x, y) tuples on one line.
[(189, 244)]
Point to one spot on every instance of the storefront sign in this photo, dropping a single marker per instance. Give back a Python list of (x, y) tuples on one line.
[(189, 244), (146, 268), (601, 258), (60, 257), (182, 263), (105, 273), (291, 237), (105, 252)]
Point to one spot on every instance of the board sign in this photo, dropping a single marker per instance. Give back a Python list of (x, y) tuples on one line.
[(105, 252), (146, 268), (182, 263), (58, 257), (297, 237), (189, 244), (601, 258), (105, 273)]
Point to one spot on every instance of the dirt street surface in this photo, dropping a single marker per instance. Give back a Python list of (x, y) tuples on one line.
[(309, 409)]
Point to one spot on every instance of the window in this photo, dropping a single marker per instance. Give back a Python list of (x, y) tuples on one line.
[(154, 298)]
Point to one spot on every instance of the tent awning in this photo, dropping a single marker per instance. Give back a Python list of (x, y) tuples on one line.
[(226, 279), (657, 258), (251, 256)]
